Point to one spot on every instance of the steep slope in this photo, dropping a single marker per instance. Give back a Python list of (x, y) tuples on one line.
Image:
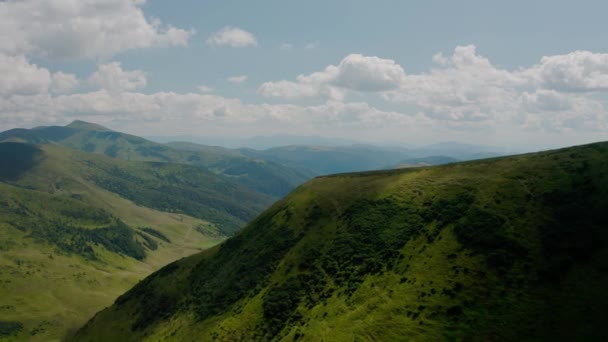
[(267, 177), (504, 249), (78, 229)]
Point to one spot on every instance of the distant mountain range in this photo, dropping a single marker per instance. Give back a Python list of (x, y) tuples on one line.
[(266, 177), (272, 171), (259, 142), (315, 160)]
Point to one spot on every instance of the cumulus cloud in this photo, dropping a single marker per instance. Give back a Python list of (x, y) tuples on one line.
[(205, 89), (113, 78), (463, 86), (233, 37), (62, 83), (191, 112), (315, 85), (462, 92), (575, 71), (19, 77), (237, 79), (355, 72), (358, 72), (77, 29), (466, 87)]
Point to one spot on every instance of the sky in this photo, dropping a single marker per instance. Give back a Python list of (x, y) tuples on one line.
[(505, 73)]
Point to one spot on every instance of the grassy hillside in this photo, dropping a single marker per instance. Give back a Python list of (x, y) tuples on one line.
[(266, 177), (79, 229), (167, 187), (505, 249)]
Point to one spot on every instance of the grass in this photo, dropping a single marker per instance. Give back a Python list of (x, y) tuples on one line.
[(501, 249), (69, 248)]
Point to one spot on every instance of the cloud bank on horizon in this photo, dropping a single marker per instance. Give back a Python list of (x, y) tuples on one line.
[(365, 96)]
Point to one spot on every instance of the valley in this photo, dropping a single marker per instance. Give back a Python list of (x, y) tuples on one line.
[(78, 229)]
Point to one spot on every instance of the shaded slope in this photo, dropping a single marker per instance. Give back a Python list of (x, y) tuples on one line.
[(504, 249), (16, 159)]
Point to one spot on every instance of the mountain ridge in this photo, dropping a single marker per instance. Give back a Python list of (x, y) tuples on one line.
[(463, 251), (263, 176)]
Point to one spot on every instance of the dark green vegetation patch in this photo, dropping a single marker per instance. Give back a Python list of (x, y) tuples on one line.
[(156, 234), (16, 159), (8, 329), (62, 224)]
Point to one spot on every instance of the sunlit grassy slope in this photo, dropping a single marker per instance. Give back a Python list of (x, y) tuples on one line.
[(505, 249), (77, 230)]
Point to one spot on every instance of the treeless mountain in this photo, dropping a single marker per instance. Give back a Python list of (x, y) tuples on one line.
[(503, 249)]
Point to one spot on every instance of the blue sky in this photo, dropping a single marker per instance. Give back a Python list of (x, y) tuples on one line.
[(509, 33), (378, 71)]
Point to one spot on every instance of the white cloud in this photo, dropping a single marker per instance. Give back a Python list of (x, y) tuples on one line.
[(113, 78), (62, 83), (467, 88), (312, 86), (576, 71), (546, 96), (233, 37), (192, 112), (362, 73), (205, 89), (77, 29), (19, 77), (237, 79), (354, 72), (464, 92), (545, 100), (464, 86)]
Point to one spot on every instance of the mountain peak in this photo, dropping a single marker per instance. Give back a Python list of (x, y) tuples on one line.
[(79, 124)]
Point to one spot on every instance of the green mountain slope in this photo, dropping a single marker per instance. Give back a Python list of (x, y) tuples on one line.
[(164, 186), (505, 249), (78, 229), (263, 176)]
